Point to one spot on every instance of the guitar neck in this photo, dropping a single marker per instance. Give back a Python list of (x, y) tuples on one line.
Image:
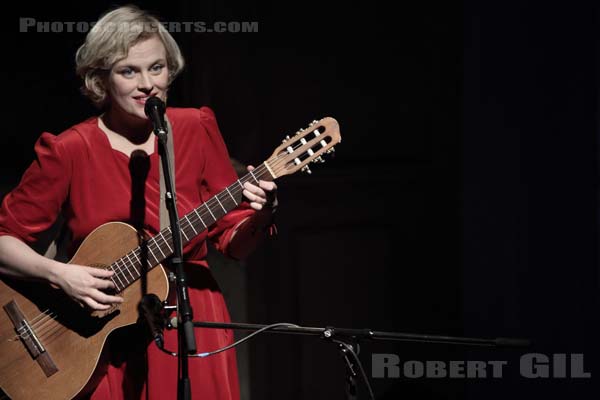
[(152, 252), (307, 145)]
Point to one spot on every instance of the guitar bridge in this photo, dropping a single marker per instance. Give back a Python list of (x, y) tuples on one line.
[(30, 339)]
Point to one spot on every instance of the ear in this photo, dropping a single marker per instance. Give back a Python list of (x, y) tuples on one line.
[(100, 87)]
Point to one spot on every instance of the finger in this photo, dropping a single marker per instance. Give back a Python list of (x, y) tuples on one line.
[(260, 194), (251, 187), (268, 186), (100, 272), (253, 192), (253, 197), (104, 298), (104, 284), (94, 305), (250, 168)]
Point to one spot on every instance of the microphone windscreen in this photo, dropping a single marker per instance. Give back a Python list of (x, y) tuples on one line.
[(154, 103)]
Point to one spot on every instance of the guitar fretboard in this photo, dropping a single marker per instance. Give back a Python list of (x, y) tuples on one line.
[(152, 252)]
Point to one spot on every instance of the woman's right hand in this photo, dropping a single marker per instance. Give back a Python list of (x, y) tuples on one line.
[(86, 285)]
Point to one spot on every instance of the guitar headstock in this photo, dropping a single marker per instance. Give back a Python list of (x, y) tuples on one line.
[(307, 145)]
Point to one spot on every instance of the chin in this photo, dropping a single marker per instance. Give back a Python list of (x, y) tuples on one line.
[(138, 111)]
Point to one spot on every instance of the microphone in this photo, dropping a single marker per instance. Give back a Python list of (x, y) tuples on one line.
[(151, 313), (155, 111)]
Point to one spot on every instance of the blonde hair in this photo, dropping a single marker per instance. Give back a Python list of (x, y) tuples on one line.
[(109, 41)]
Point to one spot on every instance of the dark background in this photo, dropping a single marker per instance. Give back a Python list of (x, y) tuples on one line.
[(461, 201)]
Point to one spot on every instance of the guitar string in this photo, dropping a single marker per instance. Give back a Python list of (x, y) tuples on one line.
[(215, 200), (24, 331), (195, 218), (120, 270), (45, 318), (203, 213), (50, 332), (42, 328), (154, 244), (38, 321), (260, 169), (33, 321), (51, 329), (38, 325)]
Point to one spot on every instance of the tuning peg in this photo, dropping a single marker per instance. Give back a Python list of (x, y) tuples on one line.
[(318, 160), (306, 169), (287, 137), (331, 150), (299, 132), (313, 123)]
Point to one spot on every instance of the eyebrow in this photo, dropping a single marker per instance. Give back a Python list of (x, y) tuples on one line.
[(159, 60)]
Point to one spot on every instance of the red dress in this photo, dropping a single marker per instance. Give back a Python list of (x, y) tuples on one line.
[(79, 174)]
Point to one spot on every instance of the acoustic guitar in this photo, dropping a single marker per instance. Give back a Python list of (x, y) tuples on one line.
[(52, 348)]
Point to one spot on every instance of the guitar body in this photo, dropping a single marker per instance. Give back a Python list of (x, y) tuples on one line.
[(71, 361)]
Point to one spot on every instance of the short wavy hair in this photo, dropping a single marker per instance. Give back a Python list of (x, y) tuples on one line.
[(109, 41)]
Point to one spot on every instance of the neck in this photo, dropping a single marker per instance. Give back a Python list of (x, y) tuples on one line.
[(134, 129)]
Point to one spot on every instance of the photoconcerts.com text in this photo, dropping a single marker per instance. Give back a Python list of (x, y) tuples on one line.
[(27, 24)]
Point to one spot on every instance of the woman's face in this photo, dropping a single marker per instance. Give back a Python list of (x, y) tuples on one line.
[(143, 73)]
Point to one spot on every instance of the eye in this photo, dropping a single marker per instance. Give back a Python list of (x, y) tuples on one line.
[(126, 72), (157, 68)]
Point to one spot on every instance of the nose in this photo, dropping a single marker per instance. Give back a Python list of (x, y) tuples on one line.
[(145, 83)]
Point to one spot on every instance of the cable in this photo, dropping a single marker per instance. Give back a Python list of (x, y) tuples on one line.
[(242, 340)]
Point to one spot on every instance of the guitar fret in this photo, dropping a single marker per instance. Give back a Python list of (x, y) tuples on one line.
[(199, 217), (224, 210), (208, 208), (133, 265), (159, 249), (152, 254), (122, 277), (137, 258), (232, 198), (191, 225), (184, 235), (116, 275), (115, 283), (127, 269), (119, 273), (165, 240), (251, 173)]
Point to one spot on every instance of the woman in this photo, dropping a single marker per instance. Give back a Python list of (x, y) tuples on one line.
[(85, 174)]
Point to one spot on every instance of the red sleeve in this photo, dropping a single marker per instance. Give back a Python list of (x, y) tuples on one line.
[(33, 206), (218, 174)]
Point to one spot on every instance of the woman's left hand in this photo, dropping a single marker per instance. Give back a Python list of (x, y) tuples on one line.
[(263, 196)]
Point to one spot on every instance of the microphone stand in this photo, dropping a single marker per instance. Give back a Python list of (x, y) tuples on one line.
[(185, 328), (347, 340)]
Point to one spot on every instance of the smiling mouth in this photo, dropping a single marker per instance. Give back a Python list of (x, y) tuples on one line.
[(142, 99)]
